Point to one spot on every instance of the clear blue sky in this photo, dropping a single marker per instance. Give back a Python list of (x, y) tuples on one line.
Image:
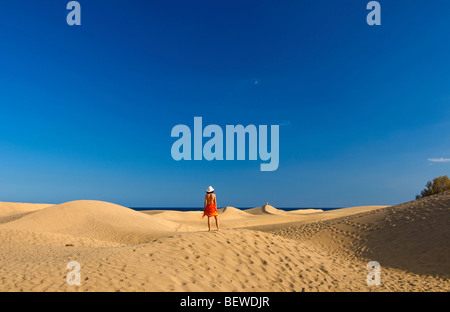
[(86, 112)]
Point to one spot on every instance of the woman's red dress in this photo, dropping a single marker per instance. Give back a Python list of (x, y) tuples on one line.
[(210, 210)]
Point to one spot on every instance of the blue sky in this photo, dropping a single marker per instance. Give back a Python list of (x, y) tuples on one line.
[(87, 110)]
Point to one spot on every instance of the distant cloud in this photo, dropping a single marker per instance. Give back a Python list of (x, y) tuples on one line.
[(439, 159)]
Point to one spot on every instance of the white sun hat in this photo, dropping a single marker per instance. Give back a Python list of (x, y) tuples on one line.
[(209, 189)]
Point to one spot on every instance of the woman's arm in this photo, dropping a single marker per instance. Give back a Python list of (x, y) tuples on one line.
[(204, 205)]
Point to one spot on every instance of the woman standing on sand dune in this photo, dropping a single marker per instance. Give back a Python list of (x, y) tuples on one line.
[(210, 207)]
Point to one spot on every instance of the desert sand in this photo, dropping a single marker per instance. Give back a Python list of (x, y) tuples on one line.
[(259, 249)]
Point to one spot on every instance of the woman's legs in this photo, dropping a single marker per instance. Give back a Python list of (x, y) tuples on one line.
[(217, 223), (209, 223)]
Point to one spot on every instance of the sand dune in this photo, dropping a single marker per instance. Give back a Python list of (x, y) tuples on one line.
[(176, 216), (97, 220), (233, 260), (231, 217), (233, 213), (9, 209), (124, 250), (265, 209), (412, 236), (306, 211)]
